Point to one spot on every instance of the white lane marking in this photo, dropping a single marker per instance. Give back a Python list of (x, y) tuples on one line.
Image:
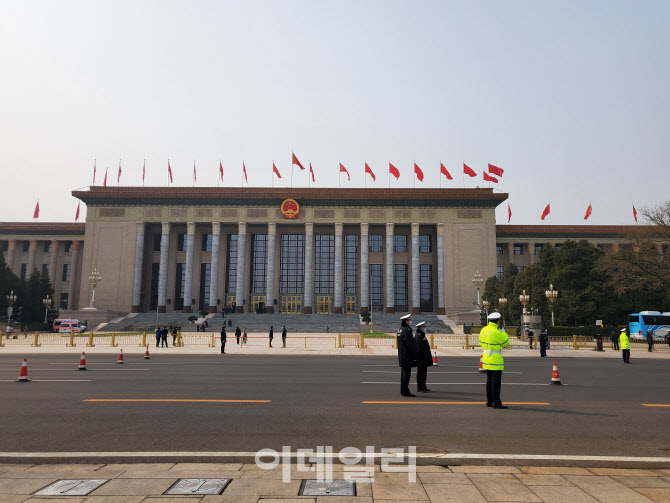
[(49, 380), (432, 372), (468, 383), (74, 367), (187, 454), (127, 363)]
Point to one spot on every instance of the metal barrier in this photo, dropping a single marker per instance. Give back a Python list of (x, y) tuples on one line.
[(377, 341)]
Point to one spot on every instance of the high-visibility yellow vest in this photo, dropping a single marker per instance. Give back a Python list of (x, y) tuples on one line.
[(624, 341), (492, 341)]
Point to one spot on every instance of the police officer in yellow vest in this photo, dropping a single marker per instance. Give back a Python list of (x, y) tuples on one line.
[(625, 345), (492, 340)]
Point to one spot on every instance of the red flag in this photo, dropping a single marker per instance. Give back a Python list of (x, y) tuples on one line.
[(545, 212), (276, 171), (76, 215), (144, 169), (509, 213), (634, 213), (488, 178), (444, 171), (296, 161), (468, 171), (104, 182), (588, 212), (495, 170), (94, 170), (418, 172), (369, 171), (394, 171), (195, 175), (118, 177), (244, 170), (170, 171), (221, 171), (344, 170), (36, 213), (311, 172)]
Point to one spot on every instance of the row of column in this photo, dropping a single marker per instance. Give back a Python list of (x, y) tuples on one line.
[(338, 292)]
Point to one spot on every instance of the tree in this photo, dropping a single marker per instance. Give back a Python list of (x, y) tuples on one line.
[(37, 288), (8, 282)]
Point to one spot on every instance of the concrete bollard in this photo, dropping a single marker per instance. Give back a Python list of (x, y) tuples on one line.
[(113, 344), (180, 342), (90, 341), (144, 340), (71, 344), (211, 344), (36, 343)]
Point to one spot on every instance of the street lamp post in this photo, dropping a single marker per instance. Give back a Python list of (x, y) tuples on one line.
[(11, 298), (95, 280), (486, 304), (503, 302), (47, 304), (524, 299), (551, 297), (477, 281)]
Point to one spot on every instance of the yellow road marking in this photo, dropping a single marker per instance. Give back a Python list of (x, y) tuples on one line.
[(171, 400), (656, 404), (457, 403)]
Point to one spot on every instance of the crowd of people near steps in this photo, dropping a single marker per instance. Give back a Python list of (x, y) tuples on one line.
[(242, 335)]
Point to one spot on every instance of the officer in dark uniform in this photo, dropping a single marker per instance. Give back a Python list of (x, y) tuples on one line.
[(223, 340), (271, 335), (283, 336), (531, 334), (424, 357), (407, 354), (543, 340), (650, 340), (238, 334), (615, 340)]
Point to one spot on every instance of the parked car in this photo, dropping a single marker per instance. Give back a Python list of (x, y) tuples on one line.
[(67, 326)]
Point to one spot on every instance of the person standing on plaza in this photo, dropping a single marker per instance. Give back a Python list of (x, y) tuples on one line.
[(543, 339), (492, 341), (158, 336), (625, 345), (223, 340), (531, 334), (407, 354), (615, 340), (164, 334), (244, 336), (271, 335), (650, 340), (238, 334), (174, 336), (283, 336), (424, 357)]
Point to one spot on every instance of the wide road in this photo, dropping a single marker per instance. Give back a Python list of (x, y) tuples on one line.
[(252, 402)]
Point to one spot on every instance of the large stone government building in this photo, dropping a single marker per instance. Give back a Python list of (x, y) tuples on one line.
[(288, 250)]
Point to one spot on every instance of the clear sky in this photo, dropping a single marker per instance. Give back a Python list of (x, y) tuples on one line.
[(570, 98)]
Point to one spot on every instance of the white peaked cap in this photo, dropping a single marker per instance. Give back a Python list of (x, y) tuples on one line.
[(406, 317), (421, 324), (494, 316)]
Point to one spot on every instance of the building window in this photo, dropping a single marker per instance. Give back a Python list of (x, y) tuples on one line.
[(259, 263), (24, 268), (518, 249), (5, 245), (426, 287), (45, 269), (292, 263), (499, 272), (179, 284), (157, 242), (538, 248), (400, 285), (231, 265), (153, 298), (425, 243), (181, 242), (69, 247), (47, 246), (324, 263), (26, 246), (205, 277), (376, 287), (63, 300), (376, 243), (399, 243), (207, 242), (67, 272), (519, 268), (350, 264), (499, 250)]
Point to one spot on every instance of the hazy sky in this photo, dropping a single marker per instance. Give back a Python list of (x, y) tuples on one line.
[(571, 98)]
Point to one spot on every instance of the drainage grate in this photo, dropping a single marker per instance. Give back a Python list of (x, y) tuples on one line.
[(198, 486), (71, 487), (334, 488)]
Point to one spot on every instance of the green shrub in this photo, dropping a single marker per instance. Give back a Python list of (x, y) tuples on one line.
[(35, 326), (192, 318), (203, 313), (589, 332)]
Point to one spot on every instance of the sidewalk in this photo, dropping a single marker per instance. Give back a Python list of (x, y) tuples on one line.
[(147, 483)]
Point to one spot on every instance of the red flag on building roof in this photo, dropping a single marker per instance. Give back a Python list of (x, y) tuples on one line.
[(36, 213), (344, 170), (276, 171), (369, 172), (444, 171), (296, 161), (169, 171), (418, 172), (509, 213), (118, 177), (244, 169), (488, 178), (104, 182), (468, 171), (588, 212), (634, 213), (546, 211), (76, 215), (220, 171), (311, 172), (394, 171), (94, 170), (495, 170), (195, 175)]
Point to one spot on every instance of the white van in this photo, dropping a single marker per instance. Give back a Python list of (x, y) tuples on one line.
[(67, 326)]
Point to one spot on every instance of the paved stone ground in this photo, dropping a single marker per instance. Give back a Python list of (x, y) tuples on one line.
[(147, 483)]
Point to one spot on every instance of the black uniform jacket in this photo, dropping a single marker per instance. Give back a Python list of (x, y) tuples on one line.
[(543, 339), (272, 334), (224, 336), (407, 350), (425, 357)]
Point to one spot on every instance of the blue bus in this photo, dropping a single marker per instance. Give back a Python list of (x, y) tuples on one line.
[(639, 323)]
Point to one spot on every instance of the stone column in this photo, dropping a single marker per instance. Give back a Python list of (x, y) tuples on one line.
[(615, 247), (441, 301), (53, 262), (365, 270), (32, 251), (214, 269), (72, 291), (270, 278), (137, 278), (11, 253), (309, 269), (510, 252), (163, 266), (531, 252), (188, 273), (390, 291), (241, 253), (338, 290), (416, 275)]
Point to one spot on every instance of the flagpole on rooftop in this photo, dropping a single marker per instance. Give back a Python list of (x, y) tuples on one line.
[(440, 173), (273, 173), (365, 175)]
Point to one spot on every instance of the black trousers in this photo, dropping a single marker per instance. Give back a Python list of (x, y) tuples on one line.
[(626, 355), (493, 385), (158, 340), (543, 350), (238, 339), (616, 344), (223, 347), (164, 341), (650, 344), (421, 376), (405, 376)]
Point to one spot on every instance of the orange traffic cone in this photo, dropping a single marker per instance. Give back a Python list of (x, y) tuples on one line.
[(120, 360), (481, 365), (23, 375), (435, 359), (146, 353), (82, 361), (555, 378)]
